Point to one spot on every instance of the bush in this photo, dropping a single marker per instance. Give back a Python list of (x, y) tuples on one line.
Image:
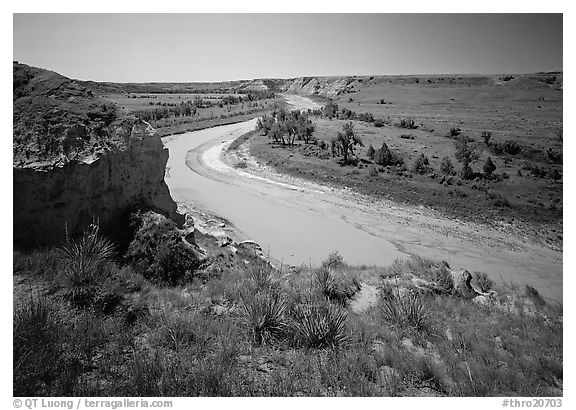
[(321, 325), (336, 288), (486, 135), (454, 132), (484, 282), (465, 153), (466, 173), (489, 167), (373, 172), (555, 175), (533, 294), (333, 261), (384, 156), (83, 270), (421, 165), (378, 123), (158, 252), (407, 123), (446, 166), (370, 152), (512, 147)]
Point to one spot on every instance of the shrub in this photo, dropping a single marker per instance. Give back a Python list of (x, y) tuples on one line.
[(378, 123), (365, 116), (465, 153), (373, 172), (336, 288), (454, 132), (333, 261), (484, 282), (370, 152), (446, 166), (466, 173), (489, 167), (407, 123), (83, 260), (533, 294), (321, 325), (553, 156), (421, 165), (384, 156), (158, 252), (512, 147), (486, 135), (555, 174)]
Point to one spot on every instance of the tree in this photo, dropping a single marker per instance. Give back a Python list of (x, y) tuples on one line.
[(465, 154), (384, 156), (330, 110), (489, 167), (345, 141)]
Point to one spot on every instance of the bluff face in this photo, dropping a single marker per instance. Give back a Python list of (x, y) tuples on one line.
[(77, 158)]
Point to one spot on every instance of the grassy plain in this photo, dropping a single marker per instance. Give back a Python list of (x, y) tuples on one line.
[(527, 111)]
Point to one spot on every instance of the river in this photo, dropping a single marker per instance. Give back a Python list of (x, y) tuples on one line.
[(298, 222)]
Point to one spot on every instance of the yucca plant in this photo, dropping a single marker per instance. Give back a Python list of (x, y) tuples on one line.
[(405, 311), (336, 288), (263, 278), (326, 281), (321, 325), (82, 262), (266, 315)]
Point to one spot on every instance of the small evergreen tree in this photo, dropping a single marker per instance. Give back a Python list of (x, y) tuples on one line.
[(489, 167), (370, 152)]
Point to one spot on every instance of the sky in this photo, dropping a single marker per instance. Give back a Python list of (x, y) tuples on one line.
[(218, 47)]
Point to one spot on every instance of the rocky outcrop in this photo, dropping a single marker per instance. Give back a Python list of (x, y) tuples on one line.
[(76, 160)]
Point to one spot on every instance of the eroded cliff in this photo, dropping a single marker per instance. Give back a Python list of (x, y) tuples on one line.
[(76, 158)]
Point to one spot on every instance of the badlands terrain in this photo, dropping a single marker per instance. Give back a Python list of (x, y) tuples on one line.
[(167, 243)]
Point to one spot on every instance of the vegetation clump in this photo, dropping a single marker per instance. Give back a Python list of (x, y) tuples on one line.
[(385, 157), (158, 251), (446, 166), (83, 265), (407, 123), (421, 165), (345, 141)]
